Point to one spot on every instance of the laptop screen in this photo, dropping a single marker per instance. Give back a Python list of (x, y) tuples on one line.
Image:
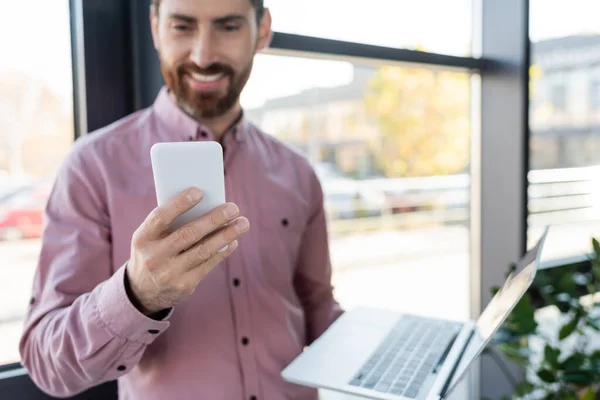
[(499, 308)]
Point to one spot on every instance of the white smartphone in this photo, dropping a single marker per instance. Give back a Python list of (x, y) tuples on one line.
[(178, 166)]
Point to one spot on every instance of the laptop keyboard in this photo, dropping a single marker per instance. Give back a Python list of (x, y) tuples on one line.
[(411, 351)]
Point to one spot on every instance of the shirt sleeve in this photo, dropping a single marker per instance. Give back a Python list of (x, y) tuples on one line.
[(81, 329), (313, 272)]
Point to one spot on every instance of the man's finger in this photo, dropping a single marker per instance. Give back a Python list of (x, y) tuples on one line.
[(191, 233), (213, 244), (162, 217), (198, 273)]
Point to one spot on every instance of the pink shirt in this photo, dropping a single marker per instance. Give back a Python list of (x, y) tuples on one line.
[(247, 319)]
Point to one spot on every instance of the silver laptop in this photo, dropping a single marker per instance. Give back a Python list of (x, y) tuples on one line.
[(381, 354)]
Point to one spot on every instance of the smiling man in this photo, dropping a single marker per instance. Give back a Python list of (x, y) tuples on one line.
[(118, 295)]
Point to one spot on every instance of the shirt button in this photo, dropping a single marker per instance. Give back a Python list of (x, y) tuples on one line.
[(203, 134), (236, 282), (253, 398), (154, 331), (121, 368), (190, 138), (32, 300), (285, 222), (245, 341)]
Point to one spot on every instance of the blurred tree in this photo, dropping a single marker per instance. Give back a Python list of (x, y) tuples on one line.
[(535, 74), (37, 126), (424, 119)]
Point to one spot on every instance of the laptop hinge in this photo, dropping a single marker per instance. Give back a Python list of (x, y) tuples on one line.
[(456, 364)]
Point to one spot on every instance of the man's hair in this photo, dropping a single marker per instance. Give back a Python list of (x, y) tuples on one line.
[(258, 5)]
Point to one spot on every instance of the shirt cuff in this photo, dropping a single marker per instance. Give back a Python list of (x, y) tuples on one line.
[(120, 315)]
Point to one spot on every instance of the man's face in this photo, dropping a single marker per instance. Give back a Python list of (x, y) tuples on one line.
[(206, 50)]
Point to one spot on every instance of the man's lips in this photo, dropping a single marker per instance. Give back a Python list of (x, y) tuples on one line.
[(206, 82)]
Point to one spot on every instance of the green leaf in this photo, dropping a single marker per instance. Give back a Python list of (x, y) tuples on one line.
[(494, 290), (595, 355), (568, 396), (546, 376), (515, 353), (568, 329), (552, 396), (596, 245), (522, 319), (581, 378), (596, 267), (551, 356), (566, 284), (524, 388), (573, 363), (595, 361), (563, 306)]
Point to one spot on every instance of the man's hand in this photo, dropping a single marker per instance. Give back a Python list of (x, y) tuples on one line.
[(165, 267)]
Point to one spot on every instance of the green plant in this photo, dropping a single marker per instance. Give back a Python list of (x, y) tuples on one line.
[(565, 365)]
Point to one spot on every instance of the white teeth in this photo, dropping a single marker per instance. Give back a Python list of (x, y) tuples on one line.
[(206, 78)]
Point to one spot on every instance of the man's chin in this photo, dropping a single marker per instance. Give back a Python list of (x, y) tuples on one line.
[(205, 109), (204, 98), (205, 104)]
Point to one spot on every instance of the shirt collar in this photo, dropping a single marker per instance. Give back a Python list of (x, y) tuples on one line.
[(182, 127)]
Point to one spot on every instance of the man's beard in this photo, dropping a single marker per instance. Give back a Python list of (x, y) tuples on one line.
[(205, 105)]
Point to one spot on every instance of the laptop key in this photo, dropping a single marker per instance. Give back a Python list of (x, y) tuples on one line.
[(369, 384), (355, 382), (396, 390), (382, 387), (401, 383), (415, 386)]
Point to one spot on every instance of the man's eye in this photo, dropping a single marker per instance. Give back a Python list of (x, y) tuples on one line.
[(232, 28), (181, 28)]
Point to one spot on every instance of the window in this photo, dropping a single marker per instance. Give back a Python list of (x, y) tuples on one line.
[(436, 26), (564, 120), (558, 97), (391, 148), (35, 134), (595, 95)]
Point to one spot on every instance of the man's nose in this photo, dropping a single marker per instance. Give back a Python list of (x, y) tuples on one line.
[(204, 53)]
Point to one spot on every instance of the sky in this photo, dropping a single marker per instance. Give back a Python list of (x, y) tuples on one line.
[(35, 38), (39, 42)]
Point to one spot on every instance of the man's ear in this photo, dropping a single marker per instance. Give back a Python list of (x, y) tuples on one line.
[(154, 25), (265, 34)]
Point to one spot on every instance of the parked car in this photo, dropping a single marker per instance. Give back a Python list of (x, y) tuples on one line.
[(22, 212), (346, 198), (405, 195)]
